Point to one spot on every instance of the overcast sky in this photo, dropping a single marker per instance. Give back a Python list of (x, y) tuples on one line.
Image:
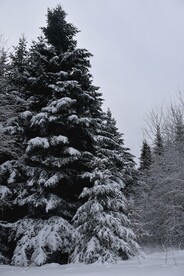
[(138, 48)]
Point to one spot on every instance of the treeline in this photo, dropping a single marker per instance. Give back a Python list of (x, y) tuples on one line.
[(65, 175), (160, 195)]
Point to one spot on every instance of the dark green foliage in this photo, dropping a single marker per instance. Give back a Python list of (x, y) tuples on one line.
[(58, 32)]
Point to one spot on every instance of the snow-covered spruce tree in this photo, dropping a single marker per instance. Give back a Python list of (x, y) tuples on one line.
[(67, 147), (103, 228), (63, 112)]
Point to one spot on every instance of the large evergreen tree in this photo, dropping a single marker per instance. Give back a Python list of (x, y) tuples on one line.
[(67, 146)]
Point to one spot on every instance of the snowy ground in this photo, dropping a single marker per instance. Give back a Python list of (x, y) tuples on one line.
[(154, 264)]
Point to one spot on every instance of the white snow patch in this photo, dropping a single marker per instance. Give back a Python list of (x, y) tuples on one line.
[(60, 139), (26, 114), (56, 88), (151, 265), (73, 117), (58, 105), (39, 119), (4, 191), (12, 176), (52, 181), (62, 73), (37, 142), (72, 151), (52, 202)]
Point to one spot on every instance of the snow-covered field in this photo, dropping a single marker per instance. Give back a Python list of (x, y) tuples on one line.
[(154, 264)]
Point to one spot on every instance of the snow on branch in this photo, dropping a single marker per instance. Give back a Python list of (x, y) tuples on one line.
[(37, 239)]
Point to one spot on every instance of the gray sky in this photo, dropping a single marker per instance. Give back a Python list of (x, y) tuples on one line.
[(138, 48)]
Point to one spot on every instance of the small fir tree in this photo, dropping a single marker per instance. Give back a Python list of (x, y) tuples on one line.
[(146, 157), (19, 62)]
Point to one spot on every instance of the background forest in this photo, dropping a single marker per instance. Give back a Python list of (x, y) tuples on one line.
[(70, 190)]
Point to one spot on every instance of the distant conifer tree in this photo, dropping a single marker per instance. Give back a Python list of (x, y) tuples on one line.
[(146, 156), (158, 142)]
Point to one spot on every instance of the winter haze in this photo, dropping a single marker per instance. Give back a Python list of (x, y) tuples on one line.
[(137, 46)]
